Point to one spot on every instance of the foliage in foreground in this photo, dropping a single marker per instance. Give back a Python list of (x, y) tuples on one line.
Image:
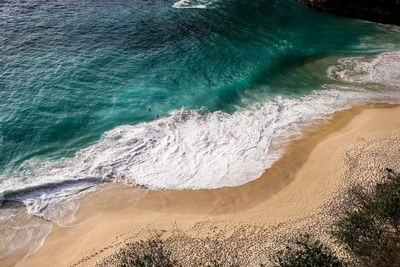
[(155, 253), (368, 227), (148, 253), (369, 223), (306, 251)]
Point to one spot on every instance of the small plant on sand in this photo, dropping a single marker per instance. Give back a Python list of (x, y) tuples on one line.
[(369, 223), (306, 251), (149, 253), (368, 227)]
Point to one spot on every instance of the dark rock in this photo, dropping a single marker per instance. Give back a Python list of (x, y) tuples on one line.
[(383, 11)]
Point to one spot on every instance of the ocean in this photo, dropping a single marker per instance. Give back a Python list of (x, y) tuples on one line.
[(171, 94)]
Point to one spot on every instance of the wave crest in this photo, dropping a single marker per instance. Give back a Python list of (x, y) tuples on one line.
[(383, 69), (194, 149), (200, 4)]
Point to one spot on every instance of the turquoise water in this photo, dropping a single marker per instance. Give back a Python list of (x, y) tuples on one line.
[(142, 92), (164, 95), (71, 70)]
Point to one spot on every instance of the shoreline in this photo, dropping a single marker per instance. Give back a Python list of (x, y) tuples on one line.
[(286, 194)]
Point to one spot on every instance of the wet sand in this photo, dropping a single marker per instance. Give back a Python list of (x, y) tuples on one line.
[(313, 171)]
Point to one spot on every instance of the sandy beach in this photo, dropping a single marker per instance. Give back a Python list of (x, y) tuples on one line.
[(295, 194)]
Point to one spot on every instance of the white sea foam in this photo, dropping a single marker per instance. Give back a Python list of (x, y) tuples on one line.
[(21, 232), (193, 149), (201, 4), (383, 69), (187, 150)]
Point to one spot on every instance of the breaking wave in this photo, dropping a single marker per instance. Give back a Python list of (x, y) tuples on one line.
[(196, 149), (382, 69), (202, 4)]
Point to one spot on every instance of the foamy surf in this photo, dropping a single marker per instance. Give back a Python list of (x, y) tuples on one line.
[(383, 69), (192, 149), (200, 4), (21, 233)]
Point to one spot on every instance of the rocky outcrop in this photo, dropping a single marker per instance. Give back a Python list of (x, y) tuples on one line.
[(383, 11)]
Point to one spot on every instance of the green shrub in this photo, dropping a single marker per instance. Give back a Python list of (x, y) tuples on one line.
[(368, 225), (387, 201), (149, 253), (306, 251)]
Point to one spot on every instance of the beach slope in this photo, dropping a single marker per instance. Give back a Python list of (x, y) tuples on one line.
[(296, 193)]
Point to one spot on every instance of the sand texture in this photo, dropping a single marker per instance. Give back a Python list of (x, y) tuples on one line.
[(297, 194)]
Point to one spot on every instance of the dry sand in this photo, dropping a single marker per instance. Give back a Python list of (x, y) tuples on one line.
[(295, 194)]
